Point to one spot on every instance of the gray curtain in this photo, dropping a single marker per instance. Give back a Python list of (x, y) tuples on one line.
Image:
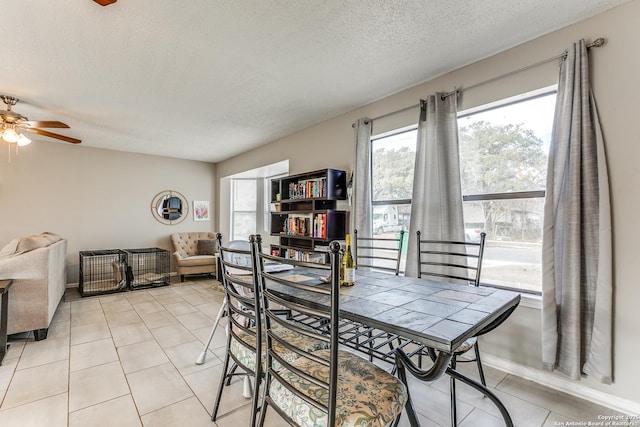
[(360, 214), (576, 258), (436, 202)]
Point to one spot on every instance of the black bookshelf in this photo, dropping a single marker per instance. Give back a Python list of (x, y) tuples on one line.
[(306, 217)]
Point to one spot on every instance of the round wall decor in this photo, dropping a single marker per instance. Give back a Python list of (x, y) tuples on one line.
[(169, 207)]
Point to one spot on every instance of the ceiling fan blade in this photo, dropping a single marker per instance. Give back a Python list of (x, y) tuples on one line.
[(53, 135), (44, 124)]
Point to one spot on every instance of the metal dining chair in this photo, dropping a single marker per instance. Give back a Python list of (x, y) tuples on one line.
[(327, 387), (245, 345), (241, 259), (456, 262), (381, 253)]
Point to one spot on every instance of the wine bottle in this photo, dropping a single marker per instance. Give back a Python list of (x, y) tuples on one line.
[(348, 271)]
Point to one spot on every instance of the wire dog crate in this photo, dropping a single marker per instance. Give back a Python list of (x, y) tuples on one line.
[(148, 267), (102, 272)]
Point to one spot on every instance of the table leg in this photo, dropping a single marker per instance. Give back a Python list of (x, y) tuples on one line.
[(441, 361), (4, 307), (484, 390), (403, 363)]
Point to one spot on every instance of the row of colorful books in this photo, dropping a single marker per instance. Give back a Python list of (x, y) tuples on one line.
[(305, 256), (308, 189), (302, 226)]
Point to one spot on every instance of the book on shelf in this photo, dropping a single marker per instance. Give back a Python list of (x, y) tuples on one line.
[(297, 226), (306, 256), (308, 189), (320, 226)]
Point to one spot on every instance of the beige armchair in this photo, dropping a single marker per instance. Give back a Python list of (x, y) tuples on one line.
[(195, 253), (37, 266)]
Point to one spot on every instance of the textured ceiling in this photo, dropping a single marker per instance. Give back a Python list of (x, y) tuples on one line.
[(206, 80)]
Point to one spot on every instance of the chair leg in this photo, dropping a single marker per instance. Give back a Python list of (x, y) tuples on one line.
[(225, 366), (254, 398), (182, 277), (479, 363), (263, 412), (411, 412), (452, 383), (233, 371)]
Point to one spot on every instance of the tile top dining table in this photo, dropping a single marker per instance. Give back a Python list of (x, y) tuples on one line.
[(441, 316), (437, 314)]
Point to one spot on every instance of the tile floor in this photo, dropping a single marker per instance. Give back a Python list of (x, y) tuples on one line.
[(128, 359)]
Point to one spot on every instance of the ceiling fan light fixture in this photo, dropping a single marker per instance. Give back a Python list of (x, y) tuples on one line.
[(23, 140), (13, 125), (10, 135)]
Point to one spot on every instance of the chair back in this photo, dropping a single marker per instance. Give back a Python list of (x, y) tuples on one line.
[(321, 392), (239, 275), (243, 256), (382, 253), (454, 261)]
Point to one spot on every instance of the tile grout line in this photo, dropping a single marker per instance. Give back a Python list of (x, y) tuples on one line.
[(194, 395)]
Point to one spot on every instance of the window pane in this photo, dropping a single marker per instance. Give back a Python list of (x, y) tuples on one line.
[(244, 225), (244, 195), (243, 215), (505, 149), (388, 221), (513, 249), (392, 163)]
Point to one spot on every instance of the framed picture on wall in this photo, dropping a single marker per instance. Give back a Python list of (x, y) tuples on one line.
[(201, 210)]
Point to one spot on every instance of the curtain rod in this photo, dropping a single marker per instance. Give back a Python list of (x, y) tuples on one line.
[(600, 41)]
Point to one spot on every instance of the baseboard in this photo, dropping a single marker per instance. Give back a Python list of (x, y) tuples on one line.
[(563, 385)]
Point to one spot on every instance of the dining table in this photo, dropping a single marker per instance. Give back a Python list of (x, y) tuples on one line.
[(408, 313)]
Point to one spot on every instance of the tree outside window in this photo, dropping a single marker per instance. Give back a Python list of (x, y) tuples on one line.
[(503, 164)]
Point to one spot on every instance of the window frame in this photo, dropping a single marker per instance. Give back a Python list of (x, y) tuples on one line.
[(375, 138), (267, 200), (236, 211), (513, 195), (524, 97)]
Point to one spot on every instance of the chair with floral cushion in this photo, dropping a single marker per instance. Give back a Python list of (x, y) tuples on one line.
[(245, 346), (326, 387)]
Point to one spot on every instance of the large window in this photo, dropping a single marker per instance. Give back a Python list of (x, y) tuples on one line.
[(503, 159), (503, 167), (244, 194), (249, 199), (392, 162)]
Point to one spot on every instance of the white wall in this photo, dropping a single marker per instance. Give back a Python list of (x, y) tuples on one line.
[(615, 68), (95, 198)]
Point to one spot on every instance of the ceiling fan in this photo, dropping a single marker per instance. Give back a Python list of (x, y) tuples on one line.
[(13, 125)]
